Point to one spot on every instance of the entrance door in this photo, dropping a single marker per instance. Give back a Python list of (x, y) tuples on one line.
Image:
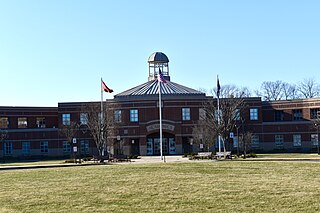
[(168, 146)]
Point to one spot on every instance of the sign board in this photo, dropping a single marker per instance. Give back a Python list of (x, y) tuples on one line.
[(75, 149), (74, 140), (201, 146), (231, 135), (118, 137)]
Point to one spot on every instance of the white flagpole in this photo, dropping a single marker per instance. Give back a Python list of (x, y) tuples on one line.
[(160, 117), (101, 116)]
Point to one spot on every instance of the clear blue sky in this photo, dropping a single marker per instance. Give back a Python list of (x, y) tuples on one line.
[(56, 51)]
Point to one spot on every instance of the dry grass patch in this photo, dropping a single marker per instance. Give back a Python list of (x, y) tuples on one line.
[(180, 187)]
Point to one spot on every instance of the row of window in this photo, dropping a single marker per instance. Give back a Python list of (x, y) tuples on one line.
[(22, 122), (279, 141), (44, 147), (297, 114), (134, 116)]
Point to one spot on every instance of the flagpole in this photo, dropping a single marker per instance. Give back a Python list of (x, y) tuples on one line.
[(160, 118), (218, 114), (101, 116)]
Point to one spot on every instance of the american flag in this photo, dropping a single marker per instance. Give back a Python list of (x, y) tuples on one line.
[(161, 78)]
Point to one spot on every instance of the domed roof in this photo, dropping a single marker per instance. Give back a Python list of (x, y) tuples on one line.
[(158, 57)]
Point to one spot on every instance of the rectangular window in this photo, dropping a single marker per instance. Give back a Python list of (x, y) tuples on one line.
[(22, 122), (7, 148), (66, 147), (278, 139), (254, 114), (4, 123), (314, 139), (134, 115), (314, 113), (44, 147), (297, 114), (117, 116), (84, 118), (41, 122), (26, 148), (237, 115), (84, 147), (235, 142), (278, 115), (255, 142), (186, 114), (296, 140), (202, 114), (66, 119)]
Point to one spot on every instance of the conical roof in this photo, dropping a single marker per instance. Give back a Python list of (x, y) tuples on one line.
[(151, 88)]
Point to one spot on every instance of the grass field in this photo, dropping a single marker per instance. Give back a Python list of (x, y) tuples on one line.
[(227, 186)]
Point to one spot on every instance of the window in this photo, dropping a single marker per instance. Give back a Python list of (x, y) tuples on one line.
[(297, 140), (186, 114), (237, 115), (117, 116), (66, 147), (44, 148), (4, 123), (235, 142), (314, 139), (26, 148), (84, 118), (134, 115), (297, 114), (66, 119), (84, 147), (41, 122), (278, 139), (255, 142), (202, 114), (22, 122), (254, 114), (7, 148), (278, 115), (314, 113)]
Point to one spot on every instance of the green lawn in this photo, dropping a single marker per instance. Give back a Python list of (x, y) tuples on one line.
[(226, 186)]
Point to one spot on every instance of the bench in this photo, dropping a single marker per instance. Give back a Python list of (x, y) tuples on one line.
[(225, 155), (202, 155), (100, 159), (119, 158)]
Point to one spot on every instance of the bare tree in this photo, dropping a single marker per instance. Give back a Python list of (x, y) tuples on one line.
[(232, 105), (69, 131), (245, 142), (289, 91), (101, 125), (309, 88), (271, 91)]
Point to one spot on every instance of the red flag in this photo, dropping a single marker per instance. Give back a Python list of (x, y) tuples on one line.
[(161, 78), (105, 88)]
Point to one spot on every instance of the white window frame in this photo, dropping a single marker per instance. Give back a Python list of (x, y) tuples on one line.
[(83, 118), (66, 147), (134, 115), (44, 146), (314, 139), (255, 142), (22, 122), (117, 116), (186, 114), (296, 140), (41, 122), (66, 119), (254, 114), (279, 141), (7, 148)]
